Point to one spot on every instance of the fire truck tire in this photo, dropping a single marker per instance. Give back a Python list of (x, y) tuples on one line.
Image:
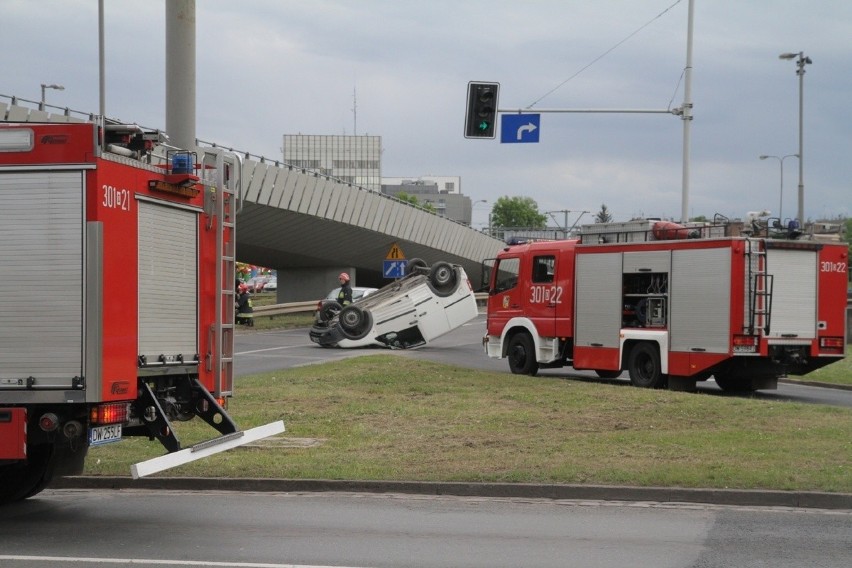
[(329, 310), (416, 265), (355, 322), (443, 278), (608, 374), (644, 366), (732, 383), (521, 355), (18, 482)]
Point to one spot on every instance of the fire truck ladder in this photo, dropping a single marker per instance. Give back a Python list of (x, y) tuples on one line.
[(222, 202), (759, 287)]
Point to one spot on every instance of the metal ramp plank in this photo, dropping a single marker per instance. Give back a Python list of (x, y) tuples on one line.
[(307, 194), (265, 193), (17, 113), (290, 179), (248, 173)]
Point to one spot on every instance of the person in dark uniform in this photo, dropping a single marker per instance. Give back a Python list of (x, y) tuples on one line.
[(245, 311), (344, 297)]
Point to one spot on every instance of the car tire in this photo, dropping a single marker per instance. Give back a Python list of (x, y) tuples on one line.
[(443, 278), (415, 266), (355, 322), (329, 310)]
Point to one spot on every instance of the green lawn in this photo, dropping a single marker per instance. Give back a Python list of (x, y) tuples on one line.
[(387, 417)]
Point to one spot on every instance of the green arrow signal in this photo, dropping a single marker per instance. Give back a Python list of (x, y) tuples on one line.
[(483, 126)]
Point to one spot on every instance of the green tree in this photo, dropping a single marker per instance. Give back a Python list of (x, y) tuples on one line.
[(603, 216), (408, 198), (517, 212)]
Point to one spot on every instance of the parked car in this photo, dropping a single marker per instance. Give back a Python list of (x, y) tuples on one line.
[(328, 307), (271, 285), (425, 304)]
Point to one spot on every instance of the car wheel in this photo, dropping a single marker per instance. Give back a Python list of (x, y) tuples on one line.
[(416, 265), (521, 355), (443, 278), (644, 367), (329, 310), (355, 322)]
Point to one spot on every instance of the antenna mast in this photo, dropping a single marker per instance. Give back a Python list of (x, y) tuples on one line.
[(354, 112)]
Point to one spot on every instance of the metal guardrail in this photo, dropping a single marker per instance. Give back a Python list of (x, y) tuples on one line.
[(311, 306)]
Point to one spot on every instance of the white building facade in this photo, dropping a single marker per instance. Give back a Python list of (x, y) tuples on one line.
[(351, 159)]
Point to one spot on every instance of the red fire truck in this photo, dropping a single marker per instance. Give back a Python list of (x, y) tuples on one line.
[(671, 306), (117, 316)]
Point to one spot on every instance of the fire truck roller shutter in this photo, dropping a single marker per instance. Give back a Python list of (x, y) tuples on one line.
[(168, 282), (794, 292), (41, 255)]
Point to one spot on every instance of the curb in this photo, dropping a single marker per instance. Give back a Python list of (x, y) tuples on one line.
[(739, 497)]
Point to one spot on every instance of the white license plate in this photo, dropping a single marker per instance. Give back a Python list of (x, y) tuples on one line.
[(104, 434)]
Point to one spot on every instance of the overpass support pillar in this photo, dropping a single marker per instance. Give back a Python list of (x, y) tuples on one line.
[(303, 284)]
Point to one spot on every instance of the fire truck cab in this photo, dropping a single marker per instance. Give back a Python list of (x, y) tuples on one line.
[(670, 309)]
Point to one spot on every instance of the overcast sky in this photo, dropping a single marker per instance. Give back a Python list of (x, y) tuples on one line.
[(266, 68)]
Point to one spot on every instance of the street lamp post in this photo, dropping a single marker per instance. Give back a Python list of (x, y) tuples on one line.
[(781, 192), (43, 88), (801, 61), (474, 205)]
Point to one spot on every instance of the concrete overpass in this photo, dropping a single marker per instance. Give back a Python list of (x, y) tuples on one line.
[(310, 227)]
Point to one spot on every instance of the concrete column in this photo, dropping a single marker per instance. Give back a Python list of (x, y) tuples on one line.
[(303, 284), (180, 73)]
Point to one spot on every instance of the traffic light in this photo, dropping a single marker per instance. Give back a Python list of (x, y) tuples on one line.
[(480, 119)]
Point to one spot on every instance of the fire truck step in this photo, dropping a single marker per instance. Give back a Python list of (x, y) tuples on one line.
[(188, 455)]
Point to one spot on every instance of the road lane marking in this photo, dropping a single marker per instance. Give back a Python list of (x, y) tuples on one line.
[(155, 562)]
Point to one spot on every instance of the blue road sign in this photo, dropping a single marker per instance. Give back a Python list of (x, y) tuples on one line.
[(393, 268), (519, 128)]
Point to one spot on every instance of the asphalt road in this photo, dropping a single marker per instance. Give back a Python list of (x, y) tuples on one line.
[(264, 351), (112, 529)]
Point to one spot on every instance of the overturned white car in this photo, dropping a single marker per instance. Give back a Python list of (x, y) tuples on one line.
[(410, 312)]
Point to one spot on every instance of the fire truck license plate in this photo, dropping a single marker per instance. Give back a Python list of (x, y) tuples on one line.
[(104, 434)]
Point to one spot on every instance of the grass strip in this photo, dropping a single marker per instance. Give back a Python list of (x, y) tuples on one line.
[(387, 417)]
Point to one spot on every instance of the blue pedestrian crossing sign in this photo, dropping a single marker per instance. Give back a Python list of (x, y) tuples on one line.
[(393, 268), (520, 128)]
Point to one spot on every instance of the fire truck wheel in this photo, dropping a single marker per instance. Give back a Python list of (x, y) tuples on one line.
[(329, 310), (18, 482), (416, 265), (608, 374), (521, 355), (644, 367), (732, 383), (443, 278), (355, 322)]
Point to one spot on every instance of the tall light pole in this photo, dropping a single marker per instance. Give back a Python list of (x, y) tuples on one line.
[(43, 88), (474, 205), (801, 61), (781, 192)]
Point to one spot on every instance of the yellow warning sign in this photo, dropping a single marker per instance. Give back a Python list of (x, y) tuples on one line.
[(395, 253)]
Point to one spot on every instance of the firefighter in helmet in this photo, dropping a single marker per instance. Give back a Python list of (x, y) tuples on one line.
[(344, 297), (243, 304)]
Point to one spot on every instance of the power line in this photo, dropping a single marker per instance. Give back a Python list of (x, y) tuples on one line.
[(604, 54)]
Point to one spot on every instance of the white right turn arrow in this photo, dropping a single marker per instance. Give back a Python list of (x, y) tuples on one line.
[(529, 127)]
